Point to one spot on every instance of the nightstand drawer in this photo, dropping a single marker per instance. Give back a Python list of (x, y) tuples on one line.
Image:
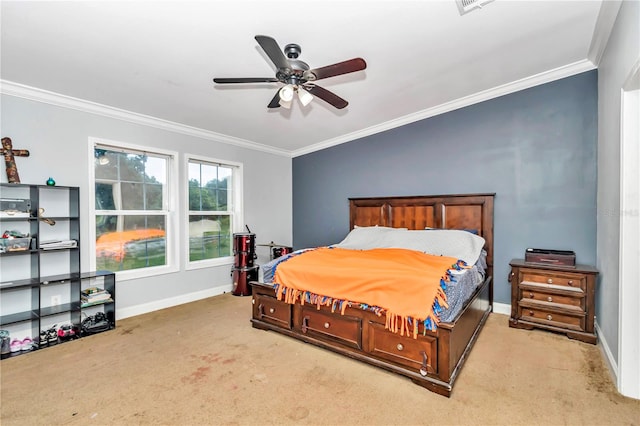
[(549, 296), (269, 309), (549, 316), (556, 279), (345, 330)]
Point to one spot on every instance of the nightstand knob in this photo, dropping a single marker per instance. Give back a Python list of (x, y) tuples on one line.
[(570, 282), (326, 325), (549, 281), (271, 310), (549, 299), (400, 347), (530, 295), (549, 317), (530, 313)]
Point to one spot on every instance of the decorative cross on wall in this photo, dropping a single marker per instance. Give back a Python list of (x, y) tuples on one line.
[(9, 159)]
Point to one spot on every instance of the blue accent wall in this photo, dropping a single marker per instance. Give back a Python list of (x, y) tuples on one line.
[(536, 149)]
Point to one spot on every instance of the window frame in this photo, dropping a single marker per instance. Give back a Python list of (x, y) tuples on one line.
[(171, 196), (237, 215)]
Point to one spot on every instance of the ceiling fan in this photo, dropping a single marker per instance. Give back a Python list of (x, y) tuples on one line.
[(297, 76)]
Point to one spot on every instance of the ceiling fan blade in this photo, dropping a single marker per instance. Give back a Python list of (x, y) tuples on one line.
[(271, 48), (345, 67), (275, 102), (326, 96), (245, 80)]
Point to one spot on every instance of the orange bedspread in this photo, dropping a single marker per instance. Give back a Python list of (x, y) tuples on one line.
[(404, 283)]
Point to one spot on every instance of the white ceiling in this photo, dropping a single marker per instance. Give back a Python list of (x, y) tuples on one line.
[(158, 58)]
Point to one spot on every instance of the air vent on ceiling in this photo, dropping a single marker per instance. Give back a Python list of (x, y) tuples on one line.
[(466, 6)]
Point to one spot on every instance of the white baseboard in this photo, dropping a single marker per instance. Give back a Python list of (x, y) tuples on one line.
[(144, 308), (611, 362), (502, 308)]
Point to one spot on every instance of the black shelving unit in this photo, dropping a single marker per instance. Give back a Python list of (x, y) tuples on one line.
[(41, 286)]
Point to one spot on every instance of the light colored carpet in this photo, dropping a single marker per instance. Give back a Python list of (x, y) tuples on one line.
[(202, 363)]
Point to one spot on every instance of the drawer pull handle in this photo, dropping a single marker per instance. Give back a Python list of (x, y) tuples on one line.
[(260, 311), (511, 275), (326, 325), (531, 295), (305, 324), (271, 310), (400, 346), (423, 368), (570, 282), (549, 299), (550, 281), (549, 317), (530, 313)]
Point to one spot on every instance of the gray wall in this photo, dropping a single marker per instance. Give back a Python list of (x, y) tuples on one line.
[(536, 149), (58, 139)]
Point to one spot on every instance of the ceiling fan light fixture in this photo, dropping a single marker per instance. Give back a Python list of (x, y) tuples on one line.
[(286, 94), (285, 104), (304, 96)]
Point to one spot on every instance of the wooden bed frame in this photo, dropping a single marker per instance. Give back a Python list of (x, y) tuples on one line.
[(434, 359)]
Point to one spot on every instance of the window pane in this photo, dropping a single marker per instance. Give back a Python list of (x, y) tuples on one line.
[(222, 200), (131, 167), (104, 196), (125, 242), (153, 196), (209, 174), (132, 196), (194, 195), (209, 237), (155, 170)]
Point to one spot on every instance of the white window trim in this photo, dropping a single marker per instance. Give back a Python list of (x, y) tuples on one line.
[(173, 230), (238, 208)]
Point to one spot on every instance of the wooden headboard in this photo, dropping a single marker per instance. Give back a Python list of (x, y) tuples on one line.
[(464, 211)]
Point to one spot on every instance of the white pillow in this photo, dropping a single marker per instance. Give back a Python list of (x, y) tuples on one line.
[(365, 237), (439, 242)]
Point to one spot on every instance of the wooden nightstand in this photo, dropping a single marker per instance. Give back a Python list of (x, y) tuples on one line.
[(556, 298)]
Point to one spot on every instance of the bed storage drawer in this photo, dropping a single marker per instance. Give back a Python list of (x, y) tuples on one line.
[(343, 329), (420, 354), (269, 309)]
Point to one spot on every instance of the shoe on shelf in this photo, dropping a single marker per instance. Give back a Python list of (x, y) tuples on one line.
[(16, 345), (52, 336), (27, 344), (43, 340)]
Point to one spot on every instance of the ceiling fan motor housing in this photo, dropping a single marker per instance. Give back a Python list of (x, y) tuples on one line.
[(292, 50)]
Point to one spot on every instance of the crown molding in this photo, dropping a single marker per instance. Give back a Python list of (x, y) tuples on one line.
[(602, 31), (39, 95), (505, 89)]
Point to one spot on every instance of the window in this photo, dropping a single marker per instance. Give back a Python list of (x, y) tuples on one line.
[(132, 209), (213, 206)]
